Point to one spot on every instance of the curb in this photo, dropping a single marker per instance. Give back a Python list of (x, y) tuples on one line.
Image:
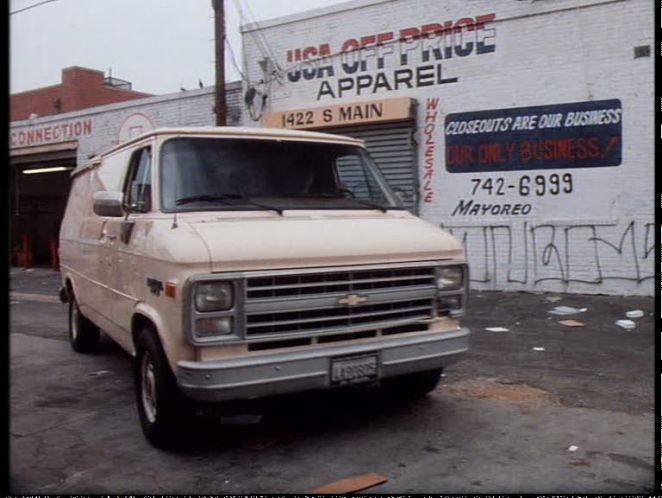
[(40, 298)]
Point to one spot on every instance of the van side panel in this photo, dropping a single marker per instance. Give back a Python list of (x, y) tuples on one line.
[(79, 240), (86, 250), (111, 176)]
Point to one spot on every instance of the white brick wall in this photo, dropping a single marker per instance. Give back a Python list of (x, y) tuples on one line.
[(597, 239), (189, 108)]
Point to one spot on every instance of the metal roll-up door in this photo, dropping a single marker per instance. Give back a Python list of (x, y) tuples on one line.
[(393, 149)]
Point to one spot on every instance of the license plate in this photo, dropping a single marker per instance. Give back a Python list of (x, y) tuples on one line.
[(353, 369)]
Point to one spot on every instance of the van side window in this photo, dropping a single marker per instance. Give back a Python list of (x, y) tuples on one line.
[(138, 189)]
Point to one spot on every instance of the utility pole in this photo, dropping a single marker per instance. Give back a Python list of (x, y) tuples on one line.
[(220, 107)]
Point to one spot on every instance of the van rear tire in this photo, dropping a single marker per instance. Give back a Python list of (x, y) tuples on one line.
[(83, 334), (162, 408)]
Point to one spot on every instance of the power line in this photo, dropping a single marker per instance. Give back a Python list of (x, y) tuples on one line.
[(31, 7), (260, 32), (234, 61), (258, 43), (255, 100)]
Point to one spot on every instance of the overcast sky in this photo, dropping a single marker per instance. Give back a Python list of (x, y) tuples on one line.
[(158, 45)]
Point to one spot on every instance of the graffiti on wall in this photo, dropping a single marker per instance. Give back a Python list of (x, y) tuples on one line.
[(530, 253), (358, 65)]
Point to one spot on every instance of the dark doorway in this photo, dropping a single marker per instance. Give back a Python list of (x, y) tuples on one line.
[(36, 209)]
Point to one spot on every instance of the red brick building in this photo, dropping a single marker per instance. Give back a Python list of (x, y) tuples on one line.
[(80, 88)]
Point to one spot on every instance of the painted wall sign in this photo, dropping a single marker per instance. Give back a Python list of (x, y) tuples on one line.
[(429, 132), (135, 124), (393, 60), (376, 111), (51, 133), (575, 135)]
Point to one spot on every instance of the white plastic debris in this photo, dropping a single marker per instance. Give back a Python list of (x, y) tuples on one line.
[(572, 323), (99, 372), (496, 329), (626, 324), (538, 349), (573, 448), (553, 299), (566, 310), (634, 314)]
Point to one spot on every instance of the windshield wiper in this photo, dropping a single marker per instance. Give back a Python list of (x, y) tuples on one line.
[(263, 206), (223, 198), (328, 195), (320, 195), (207, 198), (371, 204)]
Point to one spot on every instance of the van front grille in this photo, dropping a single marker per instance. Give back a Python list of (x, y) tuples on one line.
[(328, 303)]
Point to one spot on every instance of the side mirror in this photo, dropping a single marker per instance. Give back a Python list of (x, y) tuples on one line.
[(108, 203)]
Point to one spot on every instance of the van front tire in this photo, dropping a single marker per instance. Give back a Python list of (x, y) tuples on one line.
[(83, 334), (414, 385), (161, 406)]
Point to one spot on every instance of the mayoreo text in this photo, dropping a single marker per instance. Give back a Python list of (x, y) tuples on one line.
[(471, 208)]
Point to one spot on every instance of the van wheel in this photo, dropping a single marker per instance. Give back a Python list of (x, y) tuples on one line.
[(414, 385), (161, 406), (83, 334)]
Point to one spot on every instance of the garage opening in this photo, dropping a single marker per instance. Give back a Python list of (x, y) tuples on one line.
[(39, 185)]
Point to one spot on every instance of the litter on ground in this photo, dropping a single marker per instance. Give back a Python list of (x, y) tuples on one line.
[(572, 323), (496, 329), (553, 299), (566, 310), (99, 372), (634, 314), (351, 484), (573, 448), (538, 349), (626, 324)]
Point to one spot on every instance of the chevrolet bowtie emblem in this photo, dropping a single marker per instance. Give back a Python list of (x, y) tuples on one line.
[(352, 300)]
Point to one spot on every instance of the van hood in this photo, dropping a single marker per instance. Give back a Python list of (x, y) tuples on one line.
[(298, 240)]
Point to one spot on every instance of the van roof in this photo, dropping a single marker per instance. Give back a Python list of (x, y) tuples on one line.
[(241, 132), (226, 132)]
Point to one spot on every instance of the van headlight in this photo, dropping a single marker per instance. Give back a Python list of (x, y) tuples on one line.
[(451, 282), (214, 309), (213, 327), (214, 296), (449, 278)]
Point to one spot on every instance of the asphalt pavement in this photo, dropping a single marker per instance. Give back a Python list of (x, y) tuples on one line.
[(540, 407)]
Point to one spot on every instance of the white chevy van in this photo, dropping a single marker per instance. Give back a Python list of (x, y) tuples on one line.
[(237, 263)]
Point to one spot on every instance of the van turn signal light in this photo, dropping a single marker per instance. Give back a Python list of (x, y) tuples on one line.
[(171, 290)]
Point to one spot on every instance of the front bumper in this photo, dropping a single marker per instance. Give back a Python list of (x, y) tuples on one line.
[(279, 373)]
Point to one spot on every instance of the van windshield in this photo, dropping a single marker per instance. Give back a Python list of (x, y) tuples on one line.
[(241, 174)]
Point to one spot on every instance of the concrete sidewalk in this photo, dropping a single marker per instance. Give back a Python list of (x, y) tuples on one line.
[(40, 281)]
